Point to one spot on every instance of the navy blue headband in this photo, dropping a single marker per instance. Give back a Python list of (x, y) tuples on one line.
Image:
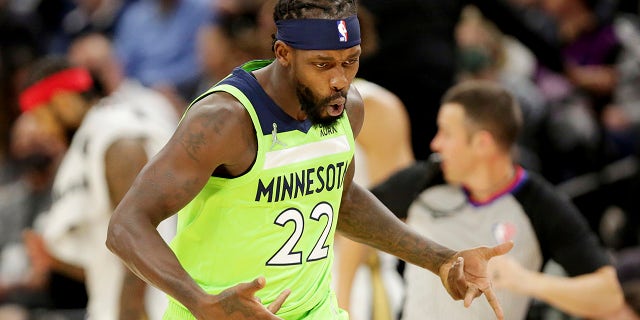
[(319, 34)]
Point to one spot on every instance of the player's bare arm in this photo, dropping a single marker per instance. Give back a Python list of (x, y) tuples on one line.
[(123, 161), (216, 135), (132, 298)]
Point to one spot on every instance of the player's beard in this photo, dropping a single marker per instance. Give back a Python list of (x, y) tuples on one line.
[(314, 107)]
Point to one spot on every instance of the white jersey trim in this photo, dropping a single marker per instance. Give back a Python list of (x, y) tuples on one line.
[(280, 158)]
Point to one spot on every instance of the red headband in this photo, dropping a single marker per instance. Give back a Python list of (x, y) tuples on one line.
[(73, 80)]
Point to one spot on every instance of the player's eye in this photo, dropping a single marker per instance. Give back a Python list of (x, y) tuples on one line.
[(350, 62)]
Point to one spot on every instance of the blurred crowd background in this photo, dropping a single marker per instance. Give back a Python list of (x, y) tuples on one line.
[(573, 64)]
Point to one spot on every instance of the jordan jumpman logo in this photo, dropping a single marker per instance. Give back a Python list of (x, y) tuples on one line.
[(275, 140)]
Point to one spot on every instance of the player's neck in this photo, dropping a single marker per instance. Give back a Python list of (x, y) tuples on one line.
[(280, 89), (491, 179)]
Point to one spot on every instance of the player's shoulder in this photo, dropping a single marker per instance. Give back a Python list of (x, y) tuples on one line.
[(217, 107), (375, 95), (215, 102), (215, 120)]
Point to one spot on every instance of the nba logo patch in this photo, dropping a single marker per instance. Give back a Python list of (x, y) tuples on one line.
[(504, 232), (343, 36)]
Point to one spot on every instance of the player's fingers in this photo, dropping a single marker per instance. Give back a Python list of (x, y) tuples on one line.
[(456, 279), (472, 293), (495, 304), (250, 288), (276, 304), (499, 249)]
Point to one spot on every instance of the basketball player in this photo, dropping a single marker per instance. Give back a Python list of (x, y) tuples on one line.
[(261, 171)]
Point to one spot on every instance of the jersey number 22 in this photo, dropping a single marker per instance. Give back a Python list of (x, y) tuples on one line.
[(286, 255)]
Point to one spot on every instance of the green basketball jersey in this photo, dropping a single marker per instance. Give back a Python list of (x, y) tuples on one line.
[(278, 219)]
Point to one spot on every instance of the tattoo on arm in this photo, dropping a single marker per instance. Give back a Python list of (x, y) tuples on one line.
[(192, 142), (195, 136), (368, 220), (167, 190)]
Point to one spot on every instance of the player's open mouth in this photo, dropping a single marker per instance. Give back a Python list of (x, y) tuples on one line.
[(335, 110)]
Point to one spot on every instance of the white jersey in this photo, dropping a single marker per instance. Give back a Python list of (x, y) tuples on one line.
[(467, 227), (75, 228), (542, 223)]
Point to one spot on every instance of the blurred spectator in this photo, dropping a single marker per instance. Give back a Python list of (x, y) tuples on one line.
[(38, 147), (473, 194), (156, 42), (34, 288), (110, 139), (416, 59), (587, 128), (86, 16), (248, 26), (592, 128), (238, 32), (94, 51), (19, 45), (485, 53)]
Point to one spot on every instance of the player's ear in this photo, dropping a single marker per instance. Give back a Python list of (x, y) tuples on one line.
[(283, 53), (483, 142)]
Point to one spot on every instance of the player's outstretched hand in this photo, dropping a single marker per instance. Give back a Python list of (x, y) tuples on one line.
[(465, 276), (240, 302)]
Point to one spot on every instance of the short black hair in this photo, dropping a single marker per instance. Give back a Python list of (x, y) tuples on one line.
[(314, 9), (488, 106)]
